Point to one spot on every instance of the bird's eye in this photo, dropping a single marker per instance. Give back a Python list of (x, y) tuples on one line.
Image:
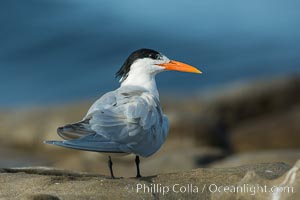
[(153, 56)]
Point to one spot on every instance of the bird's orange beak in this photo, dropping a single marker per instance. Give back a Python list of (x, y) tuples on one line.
[(179, 66)]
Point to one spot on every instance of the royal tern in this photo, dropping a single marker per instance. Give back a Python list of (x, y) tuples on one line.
[(128, 120)]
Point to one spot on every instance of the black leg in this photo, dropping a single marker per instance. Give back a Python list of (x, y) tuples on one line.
[(137, 162), (110, 164)]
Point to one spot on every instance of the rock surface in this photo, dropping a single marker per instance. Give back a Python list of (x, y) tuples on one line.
[(262, 115), (289, 156), (256, 180)]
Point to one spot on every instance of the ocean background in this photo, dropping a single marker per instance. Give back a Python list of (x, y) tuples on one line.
[(58, 51)]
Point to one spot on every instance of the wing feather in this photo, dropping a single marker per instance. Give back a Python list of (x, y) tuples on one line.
[(129, 119)]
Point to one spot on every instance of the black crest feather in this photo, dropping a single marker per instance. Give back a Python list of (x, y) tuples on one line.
[(138, 54)]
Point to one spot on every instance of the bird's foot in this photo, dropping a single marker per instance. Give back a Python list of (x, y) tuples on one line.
[(138, 176)]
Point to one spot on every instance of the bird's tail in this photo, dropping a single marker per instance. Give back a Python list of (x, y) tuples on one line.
[(92, 142)]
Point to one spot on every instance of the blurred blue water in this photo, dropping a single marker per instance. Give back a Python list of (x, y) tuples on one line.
[(54, 51)]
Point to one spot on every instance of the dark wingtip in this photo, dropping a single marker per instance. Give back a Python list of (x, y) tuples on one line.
[(60, 129)]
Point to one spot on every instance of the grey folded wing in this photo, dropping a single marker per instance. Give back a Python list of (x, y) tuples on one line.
[(126, 120)]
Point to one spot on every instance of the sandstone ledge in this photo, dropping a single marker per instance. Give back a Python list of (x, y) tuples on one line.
[(49, 183)]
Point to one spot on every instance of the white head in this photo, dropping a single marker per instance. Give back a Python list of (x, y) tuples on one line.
[(148, 62)]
